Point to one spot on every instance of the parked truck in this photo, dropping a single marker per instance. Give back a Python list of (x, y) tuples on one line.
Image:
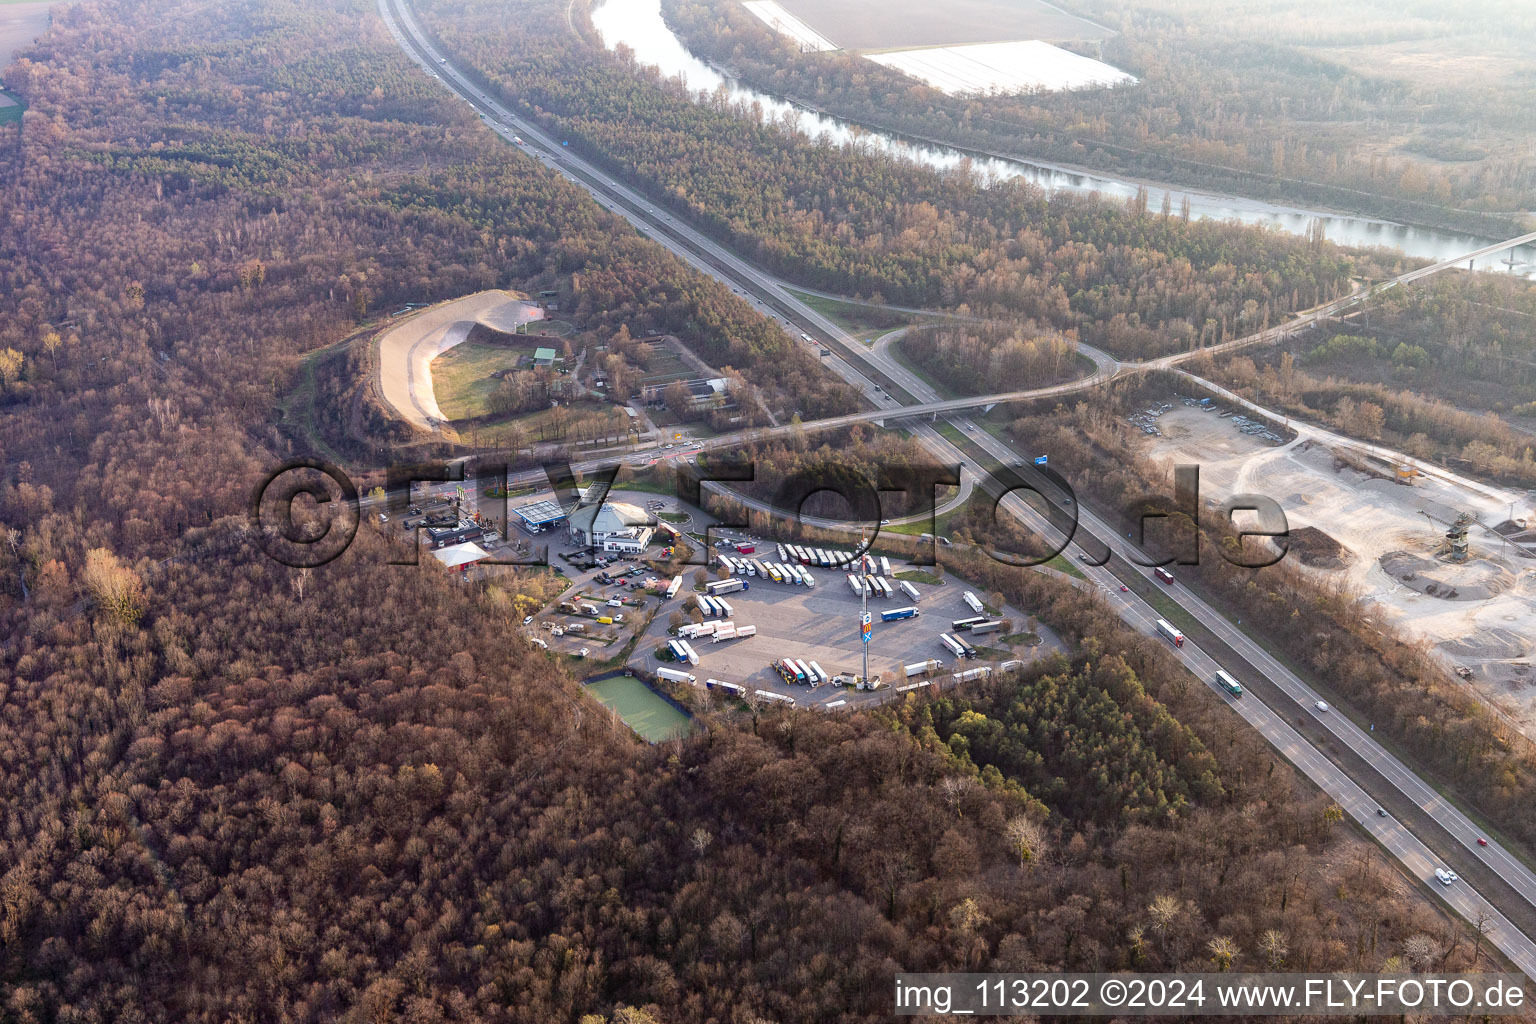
[(987, 627), (718, 587), (896, 614), (908, 589), (921, 668), (974, 603), (675, 675)]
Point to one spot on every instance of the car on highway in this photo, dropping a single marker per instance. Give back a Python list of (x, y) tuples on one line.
[(527, 619), (1322, 706), (1124, 588), (582, 653), (1481, 841), (1445, 877), (885, 522), (667, 446)]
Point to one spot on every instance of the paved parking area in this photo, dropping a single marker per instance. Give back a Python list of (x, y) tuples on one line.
[(822, 625)]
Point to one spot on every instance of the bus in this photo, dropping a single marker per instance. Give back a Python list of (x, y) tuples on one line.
[(780, 550), (1163, 574), (1168, 630), (1225, 680)]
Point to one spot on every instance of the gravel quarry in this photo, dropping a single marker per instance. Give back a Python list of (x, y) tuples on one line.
[(1480, 614)]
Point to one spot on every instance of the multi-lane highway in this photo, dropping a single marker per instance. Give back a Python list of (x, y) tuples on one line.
[(857, 367)]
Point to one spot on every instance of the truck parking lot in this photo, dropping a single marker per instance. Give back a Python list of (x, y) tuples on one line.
[(821, 625)]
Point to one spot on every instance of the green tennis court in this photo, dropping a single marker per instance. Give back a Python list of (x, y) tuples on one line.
[(641, 708)]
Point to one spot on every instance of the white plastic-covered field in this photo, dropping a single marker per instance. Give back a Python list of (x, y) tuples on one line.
[(781, 21), (1002, 68)]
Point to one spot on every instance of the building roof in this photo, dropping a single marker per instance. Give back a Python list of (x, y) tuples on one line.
[(543, 355), (456, 555), (537, 513), (610, 517)]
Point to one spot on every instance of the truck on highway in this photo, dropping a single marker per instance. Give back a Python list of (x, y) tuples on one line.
[(675, 675), (1226, 682), (896, 614), (1170, 631)]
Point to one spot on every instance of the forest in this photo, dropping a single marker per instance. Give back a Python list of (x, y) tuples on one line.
[(1130, 278), (1358, 106), (231, 790), (980, 359)]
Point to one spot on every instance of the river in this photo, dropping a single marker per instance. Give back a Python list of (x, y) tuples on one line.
[(638, 25)]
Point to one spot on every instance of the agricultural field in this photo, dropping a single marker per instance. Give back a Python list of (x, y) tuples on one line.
[(1009, 67), (902, 24)]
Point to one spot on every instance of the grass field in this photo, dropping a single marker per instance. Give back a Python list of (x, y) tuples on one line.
[(864, 322), (461, 377)]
